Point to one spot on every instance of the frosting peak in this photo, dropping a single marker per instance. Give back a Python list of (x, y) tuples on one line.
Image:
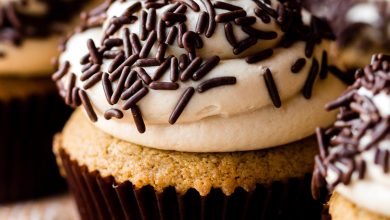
[(199, 65)]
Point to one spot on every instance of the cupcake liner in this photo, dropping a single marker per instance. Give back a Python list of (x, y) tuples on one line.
[(27, 165), (100, 197)]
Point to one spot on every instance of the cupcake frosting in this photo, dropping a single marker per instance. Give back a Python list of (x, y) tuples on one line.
[(201, 76), (355, 152), (29, 34), (362, 27)]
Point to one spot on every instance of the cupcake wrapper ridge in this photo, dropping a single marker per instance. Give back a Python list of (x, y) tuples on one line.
[(100, 197), (27, 164)]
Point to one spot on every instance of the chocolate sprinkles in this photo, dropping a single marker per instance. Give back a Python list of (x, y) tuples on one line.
[(311, 77), (358, 119), (87, 106), (181, 104), (138, 120), (113, 113), (272, 89), (259, 56), (137, 62), (216, 82)]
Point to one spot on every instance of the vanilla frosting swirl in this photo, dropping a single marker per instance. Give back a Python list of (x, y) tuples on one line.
[(230, 118)]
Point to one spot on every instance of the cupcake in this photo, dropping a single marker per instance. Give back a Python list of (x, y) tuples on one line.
[(362, 28), (31, 111), (195, 109), (353, 164)]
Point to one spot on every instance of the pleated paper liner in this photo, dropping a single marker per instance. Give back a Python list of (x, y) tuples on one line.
[(100, 197), (27, 164)]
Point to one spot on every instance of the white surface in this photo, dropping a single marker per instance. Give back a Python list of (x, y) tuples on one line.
[(54, 208)]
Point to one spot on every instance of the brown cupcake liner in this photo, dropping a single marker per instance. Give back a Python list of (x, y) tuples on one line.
[(27, 165), (100, 197)]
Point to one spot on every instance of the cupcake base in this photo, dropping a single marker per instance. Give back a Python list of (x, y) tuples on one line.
[(31, 112), (341, 208), (111, 178), (100, 197)]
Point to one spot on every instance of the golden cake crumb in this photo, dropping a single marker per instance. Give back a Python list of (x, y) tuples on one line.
[(202, 171)]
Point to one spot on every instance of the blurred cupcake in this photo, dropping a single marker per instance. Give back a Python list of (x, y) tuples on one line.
[(200, 109), (362, 28), (30, 109), (353, 164)]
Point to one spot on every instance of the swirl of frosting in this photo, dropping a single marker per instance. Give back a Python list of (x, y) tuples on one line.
[(200, 75), (355, 152), (30, 31)]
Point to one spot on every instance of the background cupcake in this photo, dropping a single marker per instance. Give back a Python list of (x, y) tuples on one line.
[(362, 28), (30, 109), (353, 163), (187, 100)]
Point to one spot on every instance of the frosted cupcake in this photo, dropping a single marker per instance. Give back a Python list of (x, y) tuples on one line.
[(362, 28), (353, 164), (191, 108), (30, 109)]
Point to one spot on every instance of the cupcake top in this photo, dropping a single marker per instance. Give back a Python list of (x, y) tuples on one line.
[(201, 75), (29, 34), (355, 152), (362, 27)]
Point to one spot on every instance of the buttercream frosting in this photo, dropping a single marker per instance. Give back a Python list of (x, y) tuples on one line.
[(230, 118), (368, 187), (31, 56)]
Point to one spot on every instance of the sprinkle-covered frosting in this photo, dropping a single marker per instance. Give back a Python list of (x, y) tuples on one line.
[(354, 154), (31, 27), (362, 27), (194, 72)]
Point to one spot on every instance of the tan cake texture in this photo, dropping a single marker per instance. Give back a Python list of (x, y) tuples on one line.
[(341, 208), (201, 171)]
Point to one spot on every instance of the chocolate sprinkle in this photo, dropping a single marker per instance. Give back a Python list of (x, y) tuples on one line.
[(298, 65), (113, 113), (148, 45), (230, 35), (259, 56), (61, 71), (143, 75), (161, 69), (135, 87), (244, 45), (107, 87), (181, 104), (138, 120), (93, 52), (190, 70), (133, 100), (311, 77), (121, 85), (216, 82), (174, 72), (164, 86), (226, 6), (272, 89), (93, 80), (87, 106), (201, 24), (205, 68), (230, 16)]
